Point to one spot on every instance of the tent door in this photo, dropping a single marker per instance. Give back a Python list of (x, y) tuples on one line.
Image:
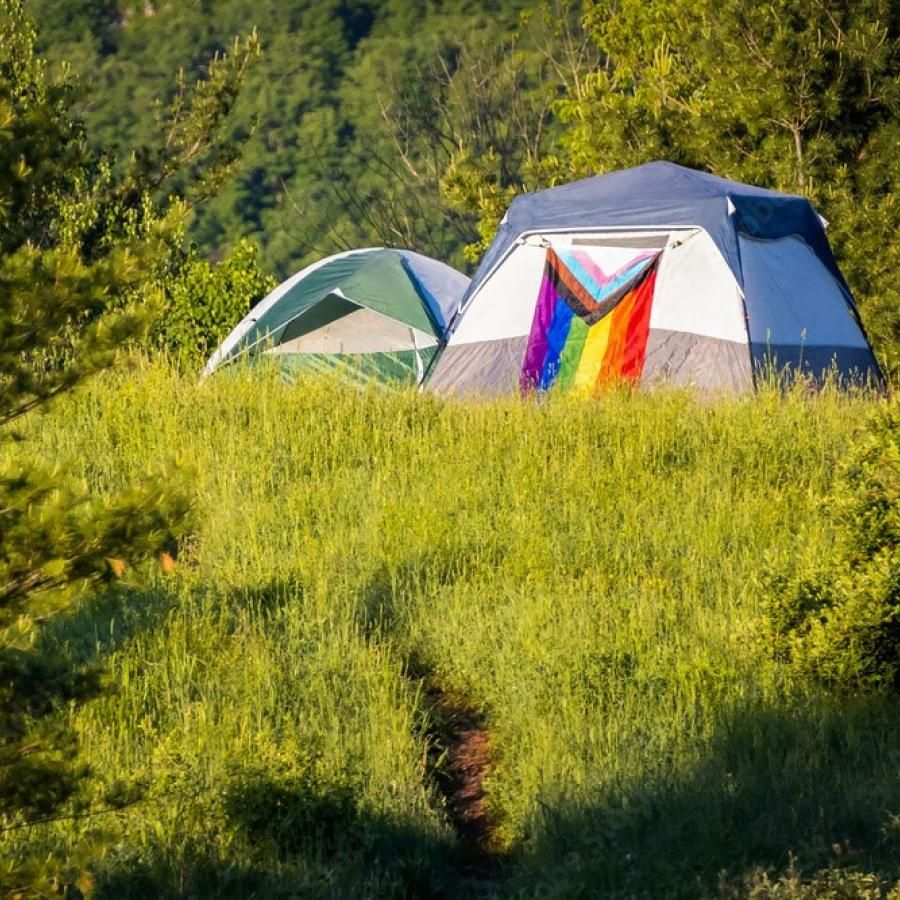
[(338, 325)]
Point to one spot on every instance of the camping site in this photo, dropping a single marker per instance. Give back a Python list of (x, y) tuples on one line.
[(449, 449)]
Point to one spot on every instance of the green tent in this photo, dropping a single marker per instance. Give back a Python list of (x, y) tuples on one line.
[(374, 314)]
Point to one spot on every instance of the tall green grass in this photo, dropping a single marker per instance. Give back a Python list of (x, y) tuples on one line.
[(585, 573)]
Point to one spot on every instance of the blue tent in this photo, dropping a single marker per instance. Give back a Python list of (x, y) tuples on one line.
[(742, 277)]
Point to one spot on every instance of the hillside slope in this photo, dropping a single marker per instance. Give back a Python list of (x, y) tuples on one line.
[(583, 575)]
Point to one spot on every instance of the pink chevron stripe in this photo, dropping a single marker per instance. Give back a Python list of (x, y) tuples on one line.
[(594, 270)]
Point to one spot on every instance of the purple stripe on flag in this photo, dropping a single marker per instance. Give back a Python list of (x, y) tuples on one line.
[(536, 351)]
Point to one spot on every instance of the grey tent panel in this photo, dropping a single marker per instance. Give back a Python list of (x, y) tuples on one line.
[(636, 241), (441, 286), (693, 360), (487, 368), (357, 330)]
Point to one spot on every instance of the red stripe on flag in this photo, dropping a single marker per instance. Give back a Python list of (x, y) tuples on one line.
[(638, 330)]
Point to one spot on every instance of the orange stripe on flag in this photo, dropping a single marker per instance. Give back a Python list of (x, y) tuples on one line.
[(611, 370)]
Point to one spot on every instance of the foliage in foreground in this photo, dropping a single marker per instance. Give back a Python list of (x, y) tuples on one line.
[(86, 258), (837, 618), (584, 573)]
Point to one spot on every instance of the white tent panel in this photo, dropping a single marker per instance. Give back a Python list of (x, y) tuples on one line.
[(696, 292), (361, 331), (792, 298), (504, 306)]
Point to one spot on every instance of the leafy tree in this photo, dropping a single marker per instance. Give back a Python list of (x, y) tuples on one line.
[(205, 301), (506, 142), (321, 169), (83, 251), (800, 95)]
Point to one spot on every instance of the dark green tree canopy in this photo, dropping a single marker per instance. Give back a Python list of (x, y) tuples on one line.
[(399, 123)]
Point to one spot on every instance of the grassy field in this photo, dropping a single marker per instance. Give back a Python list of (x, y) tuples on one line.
[(585, 575)]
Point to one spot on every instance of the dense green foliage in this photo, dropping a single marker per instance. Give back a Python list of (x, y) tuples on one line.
[(586, 573), (71, 260), (117, 200), (388, 122), (837, 618), (324, 167), (204, 300)]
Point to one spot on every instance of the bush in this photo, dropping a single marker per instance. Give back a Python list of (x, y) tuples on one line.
[(205, 301), (838, 620), (827, 884)]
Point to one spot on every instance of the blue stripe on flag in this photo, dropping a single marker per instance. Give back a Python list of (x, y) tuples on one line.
[(556, 340)]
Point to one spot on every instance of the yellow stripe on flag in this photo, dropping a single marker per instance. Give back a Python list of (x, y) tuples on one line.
[(592, 356)]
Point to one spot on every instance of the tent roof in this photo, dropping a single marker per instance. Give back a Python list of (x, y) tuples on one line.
[(405, 286), (441, 286), (375, 279), (663, 194)]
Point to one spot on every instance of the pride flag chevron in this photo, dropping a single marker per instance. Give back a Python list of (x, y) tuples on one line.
[(589, 327)]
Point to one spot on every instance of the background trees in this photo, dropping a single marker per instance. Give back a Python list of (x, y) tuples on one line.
[(799, 95), (389, 122), (328, 114)]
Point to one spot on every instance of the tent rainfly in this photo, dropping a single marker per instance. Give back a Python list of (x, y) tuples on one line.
[(378, 314), (656, 273)]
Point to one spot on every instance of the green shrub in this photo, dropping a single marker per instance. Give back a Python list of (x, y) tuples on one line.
[(838, 620), (827, 884), (205, 301)]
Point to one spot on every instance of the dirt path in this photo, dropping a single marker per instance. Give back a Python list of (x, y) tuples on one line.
[(462, 761)]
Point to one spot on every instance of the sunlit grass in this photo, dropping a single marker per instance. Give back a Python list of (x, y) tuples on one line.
[(586, 573)]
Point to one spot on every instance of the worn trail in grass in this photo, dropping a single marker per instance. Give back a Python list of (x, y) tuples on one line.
[(585, 574), (461, 751)]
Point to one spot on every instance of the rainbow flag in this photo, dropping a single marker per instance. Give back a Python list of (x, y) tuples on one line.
[(589, 327)]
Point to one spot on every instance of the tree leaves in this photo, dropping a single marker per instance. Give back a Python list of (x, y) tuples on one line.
[(89, 257)]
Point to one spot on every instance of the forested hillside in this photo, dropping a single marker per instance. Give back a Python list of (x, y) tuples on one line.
[(325, 168), (413, 124)]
